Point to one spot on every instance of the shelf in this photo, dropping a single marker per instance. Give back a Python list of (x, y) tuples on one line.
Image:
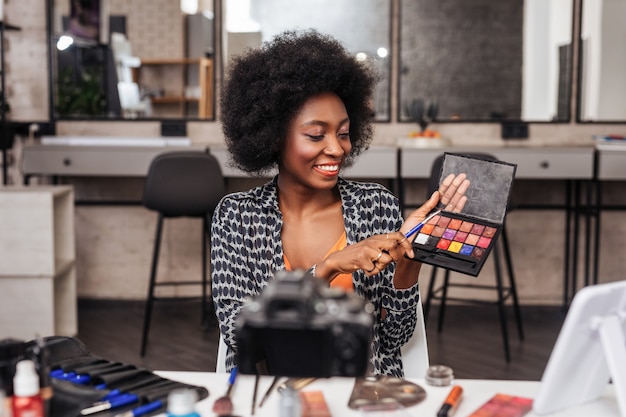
[(170, 61), (174, 100), (7, 26), (205, 79)]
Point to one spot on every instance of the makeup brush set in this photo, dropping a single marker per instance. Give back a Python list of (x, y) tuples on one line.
[(84, 384)]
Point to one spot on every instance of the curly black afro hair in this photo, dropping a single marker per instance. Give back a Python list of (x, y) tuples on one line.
[(267, 87)]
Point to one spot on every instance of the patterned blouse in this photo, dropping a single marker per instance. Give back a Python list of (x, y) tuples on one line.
[(246, 250)]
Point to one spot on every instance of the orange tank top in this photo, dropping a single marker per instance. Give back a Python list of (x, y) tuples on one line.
[(342, 280)]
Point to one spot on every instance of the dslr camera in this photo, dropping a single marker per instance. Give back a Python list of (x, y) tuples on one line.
[(299, 327)]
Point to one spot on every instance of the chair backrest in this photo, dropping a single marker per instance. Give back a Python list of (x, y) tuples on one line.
[(220, 365), (184, 184), (414, 353)]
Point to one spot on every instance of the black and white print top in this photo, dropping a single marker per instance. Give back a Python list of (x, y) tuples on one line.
[(246, 250)]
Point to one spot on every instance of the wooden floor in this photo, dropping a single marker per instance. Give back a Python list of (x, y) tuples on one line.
[(470, 343)]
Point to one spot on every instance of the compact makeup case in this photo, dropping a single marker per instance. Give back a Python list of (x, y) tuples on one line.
[(462, 241), (82, 382)]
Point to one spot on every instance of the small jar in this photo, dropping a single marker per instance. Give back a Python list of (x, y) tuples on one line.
[(439, 376)]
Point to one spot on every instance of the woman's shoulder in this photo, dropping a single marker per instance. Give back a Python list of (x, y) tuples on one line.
[(253, 197), (359, 189)]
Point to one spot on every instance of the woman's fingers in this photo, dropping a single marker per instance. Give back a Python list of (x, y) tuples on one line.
[(452, 190)]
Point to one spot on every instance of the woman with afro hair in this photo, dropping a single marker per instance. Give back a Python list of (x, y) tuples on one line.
[(301, 104)]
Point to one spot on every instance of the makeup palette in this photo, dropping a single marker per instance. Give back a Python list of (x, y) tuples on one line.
[(462, 241)]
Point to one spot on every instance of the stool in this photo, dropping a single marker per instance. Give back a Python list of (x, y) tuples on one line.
[(504, 292), (181, 184)]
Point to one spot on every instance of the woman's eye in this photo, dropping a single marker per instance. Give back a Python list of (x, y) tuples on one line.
[(316, 137), (344, 135)]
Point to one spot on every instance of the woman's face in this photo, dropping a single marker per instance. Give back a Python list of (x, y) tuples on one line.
[(318, 142)]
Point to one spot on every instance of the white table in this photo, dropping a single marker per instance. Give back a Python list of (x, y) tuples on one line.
[(337, 392)]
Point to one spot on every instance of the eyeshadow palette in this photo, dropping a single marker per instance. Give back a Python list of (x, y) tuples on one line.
[(462, 241)]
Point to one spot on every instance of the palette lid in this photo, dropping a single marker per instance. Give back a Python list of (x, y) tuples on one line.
[(490, 184)]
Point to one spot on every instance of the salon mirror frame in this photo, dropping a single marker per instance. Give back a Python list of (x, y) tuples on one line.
[(371, 21), (196, 100), (451, 58), (601, 69)]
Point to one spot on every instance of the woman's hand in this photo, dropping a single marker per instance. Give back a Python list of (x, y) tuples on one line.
[(373, 254), (450, 197)]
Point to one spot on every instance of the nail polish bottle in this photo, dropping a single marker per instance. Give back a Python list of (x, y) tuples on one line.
[(26, 401)]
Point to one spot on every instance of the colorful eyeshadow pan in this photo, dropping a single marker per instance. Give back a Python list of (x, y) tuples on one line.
[(472, 239), (443, 221), (484, 242), (478, 229), (438, 231), (421, 238), (478, 252), (466, 227), (466, 250), (449, 234), (455, 224), (460, 236), (455, 247), (489, 231), (443, 244), (428, 228)]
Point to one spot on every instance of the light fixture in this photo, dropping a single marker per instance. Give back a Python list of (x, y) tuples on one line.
[(382, 52), (64, 42), (361, 56)]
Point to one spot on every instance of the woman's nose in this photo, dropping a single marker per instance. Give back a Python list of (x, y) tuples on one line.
[(334, 146)]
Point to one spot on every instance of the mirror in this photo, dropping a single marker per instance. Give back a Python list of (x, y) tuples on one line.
[(362, 26), (486, 60), (139, 59), (602, 81)]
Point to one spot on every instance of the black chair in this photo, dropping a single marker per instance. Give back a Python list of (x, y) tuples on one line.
[(504, 292), (181, 184)]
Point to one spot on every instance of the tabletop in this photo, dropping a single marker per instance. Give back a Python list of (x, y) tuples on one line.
[(337, 392)]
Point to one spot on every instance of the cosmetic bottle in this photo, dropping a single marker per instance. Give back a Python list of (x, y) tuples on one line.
[(181, 403), (26, 400), (289, 402)]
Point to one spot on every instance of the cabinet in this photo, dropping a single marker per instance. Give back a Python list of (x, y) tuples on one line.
[(179, 91), (37, 262)]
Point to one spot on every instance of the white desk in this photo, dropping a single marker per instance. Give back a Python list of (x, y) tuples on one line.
[(337, 392), (532, 162), (93, 160)]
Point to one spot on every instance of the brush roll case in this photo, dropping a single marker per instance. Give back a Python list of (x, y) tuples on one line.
[(79, 378)]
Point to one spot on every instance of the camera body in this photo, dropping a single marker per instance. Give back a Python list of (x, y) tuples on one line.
[(299, 327)]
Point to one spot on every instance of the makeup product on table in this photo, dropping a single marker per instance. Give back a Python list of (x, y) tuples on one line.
[(256, 388), (462, 241), (26, 400), (503, 405), (439, 375), (451, 403), (313, 404), (224, 405), (269, 390), (381, 391)]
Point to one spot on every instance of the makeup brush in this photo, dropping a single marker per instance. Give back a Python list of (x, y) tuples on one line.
[(223, 406), (422, 223)]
